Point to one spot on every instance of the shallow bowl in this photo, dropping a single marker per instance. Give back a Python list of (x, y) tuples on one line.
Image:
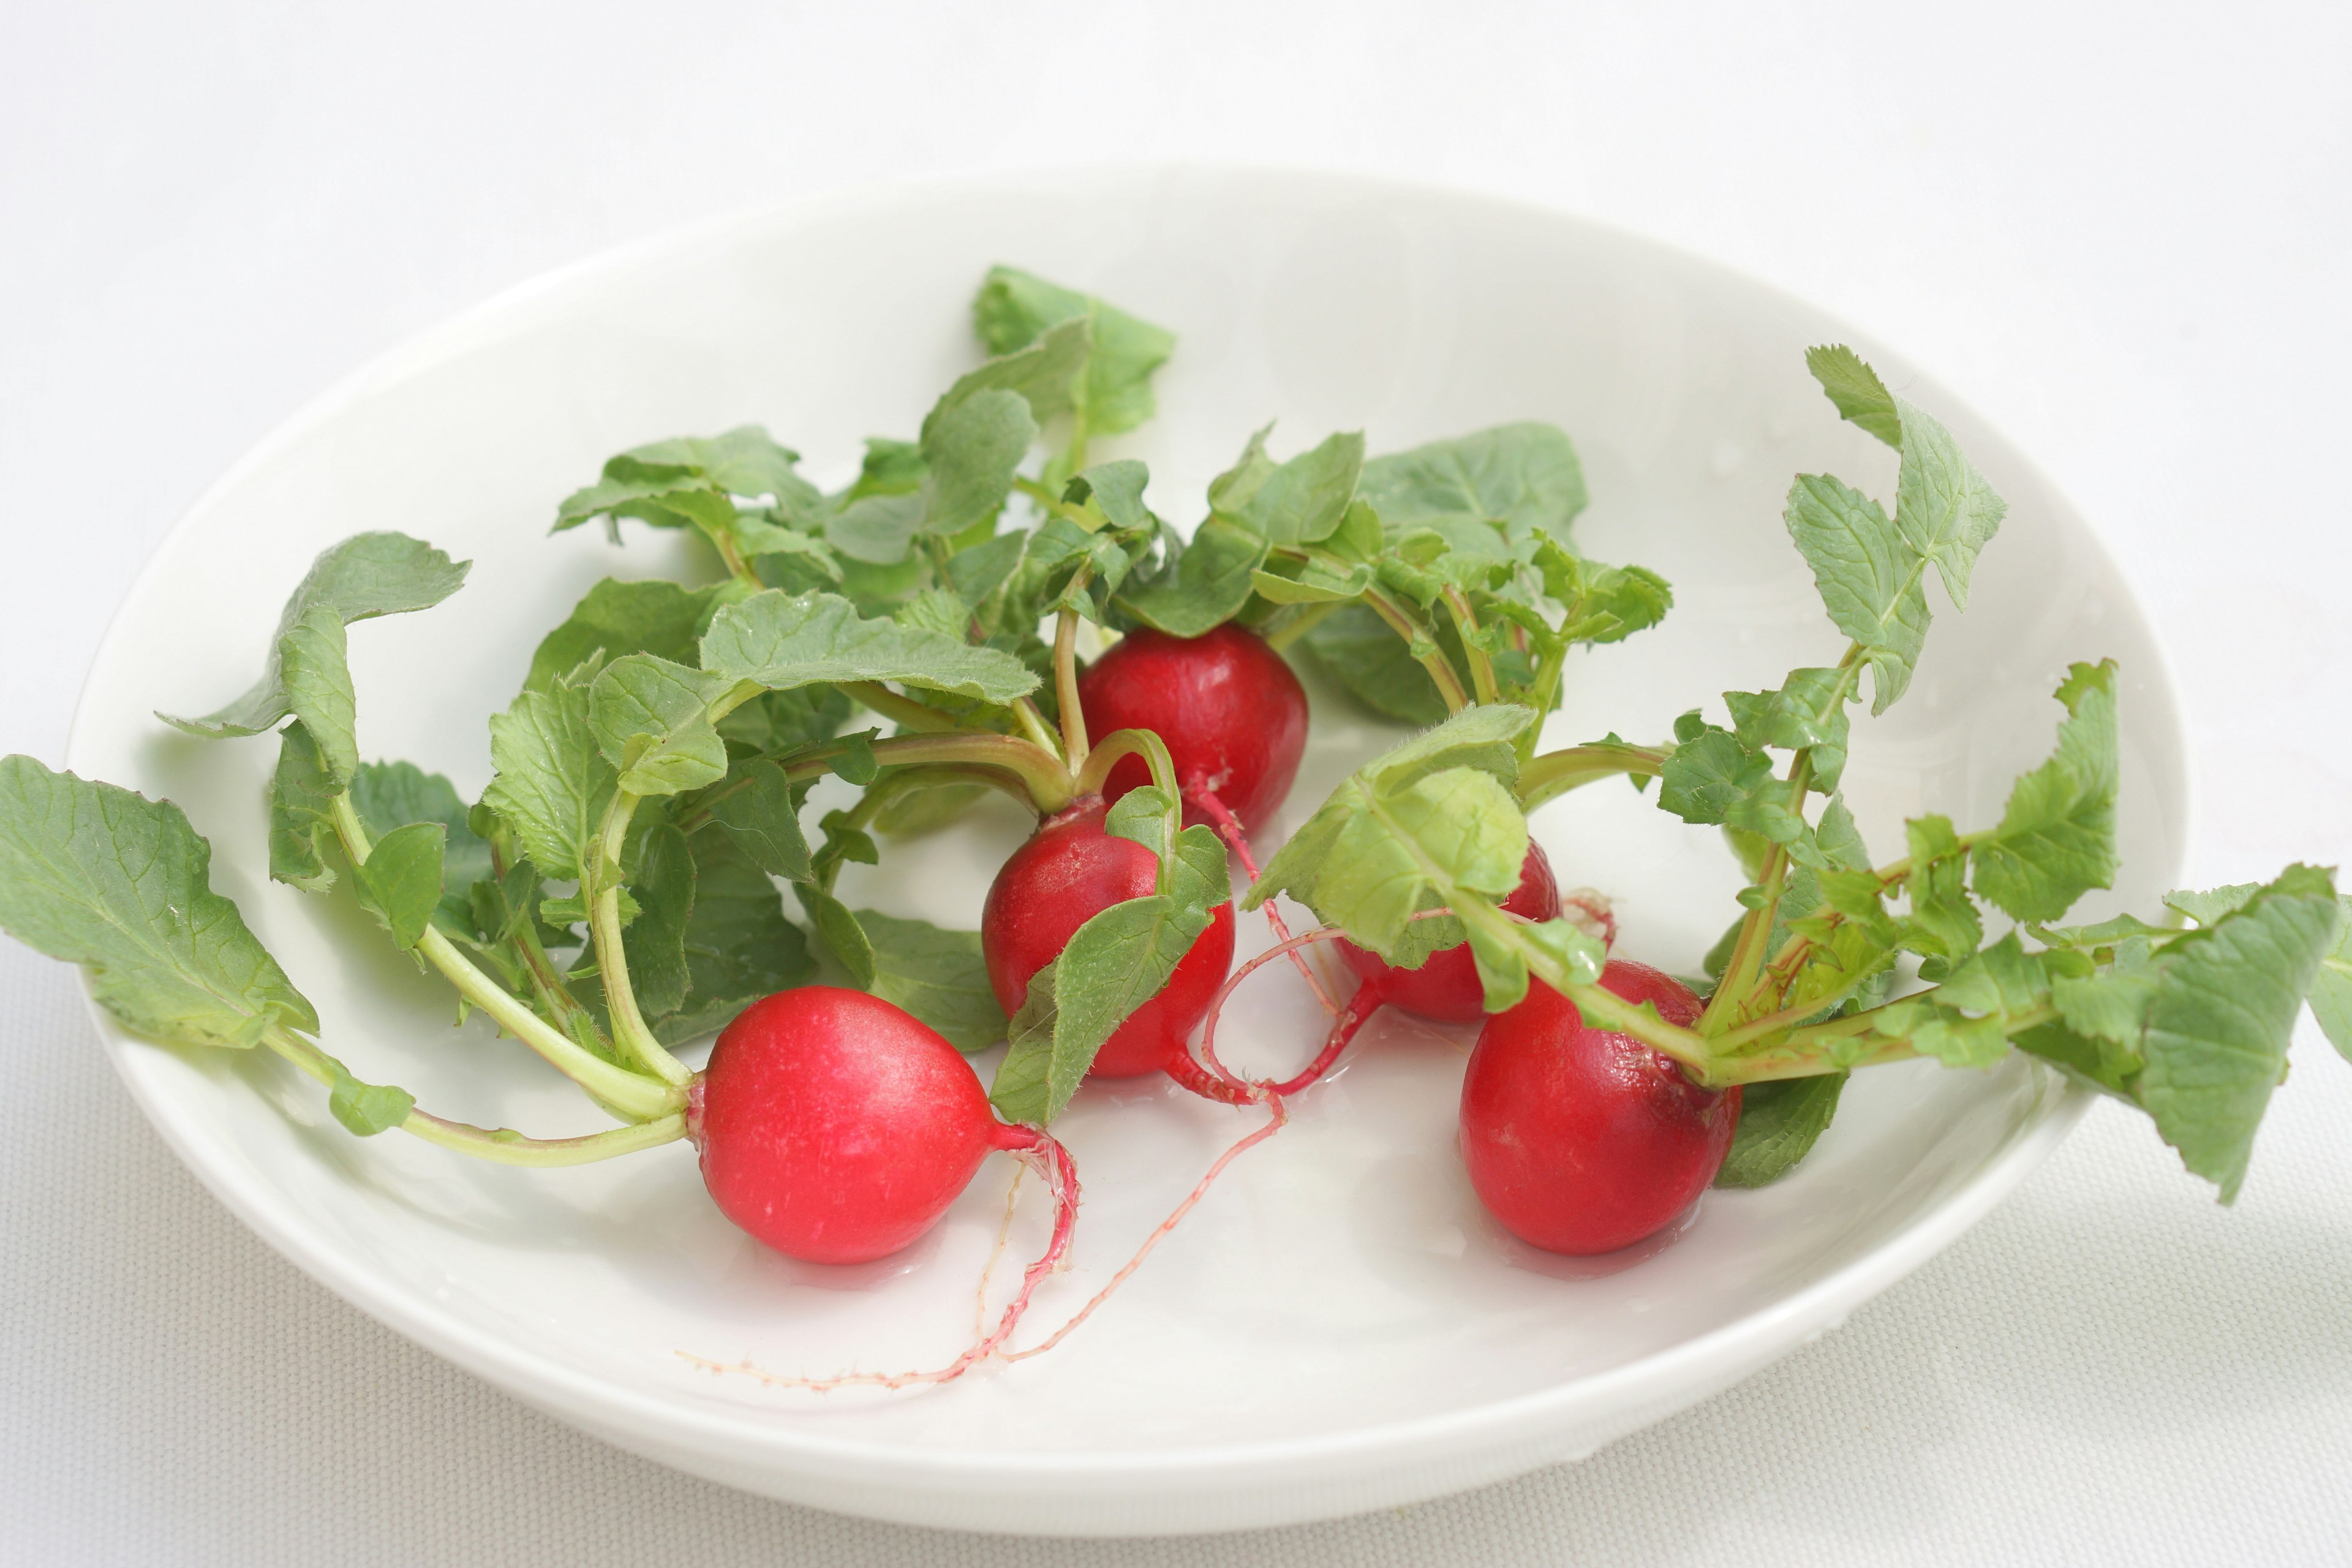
[(1338, 1327)]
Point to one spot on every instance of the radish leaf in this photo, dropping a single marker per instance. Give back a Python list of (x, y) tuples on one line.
[(971, 449), (652, 720), (2219, 1016), (1859, 396), (553, 785), (781, 642), (764, 819), (117, 883), (1868, 576), (654, 616), (307, 675), (400, 882), (2056, 840), (737, 944), (301, 820), (1522, 478), (367, 1109), (938, 975), (1014, 308), (1778, 1125), (1201, 583)]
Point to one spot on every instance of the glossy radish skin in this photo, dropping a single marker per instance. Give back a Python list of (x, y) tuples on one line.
[(1582, 1140), (1446, 987), (837, 1128), (1231, 712), (1067, 873)]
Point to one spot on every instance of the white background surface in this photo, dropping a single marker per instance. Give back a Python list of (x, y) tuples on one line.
[(2120, 232)]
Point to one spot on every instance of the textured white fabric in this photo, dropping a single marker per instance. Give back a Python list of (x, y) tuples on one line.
[(2120, 232)]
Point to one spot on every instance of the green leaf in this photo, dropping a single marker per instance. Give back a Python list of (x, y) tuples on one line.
[(938, 975), (1806, 711), (841, 931), (2056, 840), (1023, 1090), (2110, 1005), (1045, 373), (1602, 604), (745, 461), (1295, 503), (1461, 820), (777, 721), (654, 942), (1868, 576), (1356, 648), (1712, 777), (688, 481), (1141, 816), (979, 570), (1778, 1125), (1943, 922), (400, 882), (1118, 961), (738, 946), (118, 884), (1483, 737), (315, 677), (367, 1109), (781, 642), (1203, 583), (652, 720), (1861, 397), (1522, 478), (764, 820), (1014, 308), (301, 813), (553, 785), (2331, 988), (367, 575), (656, 616), (1114, 489), (971, 449), (391, 795), (1840, 838), (1317, 584), (1945, 508), (2219, 1017), (880, 530), (2209, 908)]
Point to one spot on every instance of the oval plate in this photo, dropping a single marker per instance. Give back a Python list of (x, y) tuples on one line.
[(1338, 1327)]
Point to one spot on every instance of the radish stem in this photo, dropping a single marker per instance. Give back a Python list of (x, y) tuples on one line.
[(626, 1095)]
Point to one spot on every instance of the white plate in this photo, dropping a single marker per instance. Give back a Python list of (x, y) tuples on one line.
[(1338, 1327)]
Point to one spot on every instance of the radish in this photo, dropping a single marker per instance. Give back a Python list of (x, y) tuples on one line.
[(838, 1128), (1065, 874), (1231, 712), (1583, 1140), (1446, 988)]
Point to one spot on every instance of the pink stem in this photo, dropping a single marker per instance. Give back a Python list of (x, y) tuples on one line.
[(1229, 828), (1361, 1005), (1282, 949), (1273, 1124), (1041, 1150)]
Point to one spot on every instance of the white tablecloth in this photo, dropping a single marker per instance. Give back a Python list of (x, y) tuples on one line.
[(2121, 232)]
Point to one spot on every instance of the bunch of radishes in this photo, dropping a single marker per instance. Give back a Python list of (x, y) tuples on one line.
[(616, 891)]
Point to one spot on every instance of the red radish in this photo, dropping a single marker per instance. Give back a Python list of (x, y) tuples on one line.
[(1231, 712), (1583, 1140), (1067, 873), (1446, 988), (837, 1128)]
